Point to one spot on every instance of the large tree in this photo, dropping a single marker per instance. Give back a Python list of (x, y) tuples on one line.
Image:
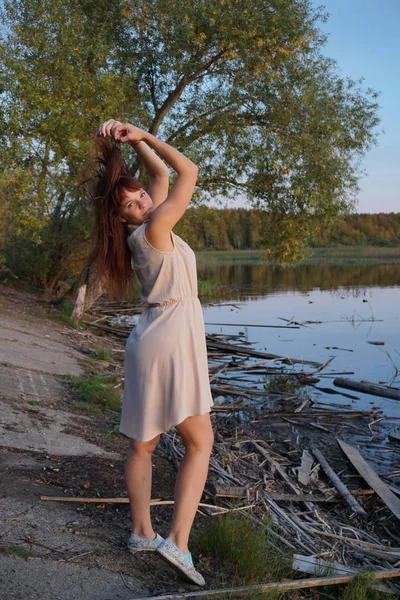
[(240, 86)]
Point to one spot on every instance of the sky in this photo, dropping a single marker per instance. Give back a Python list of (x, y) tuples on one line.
[(364, 39)]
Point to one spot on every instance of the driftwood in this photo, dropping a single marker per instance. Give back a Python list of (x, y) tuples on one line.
[(249, 352), (311, 414), (304, 471), (299, 584), (351, 501), (383, 491), (375, 389), (248, 325)]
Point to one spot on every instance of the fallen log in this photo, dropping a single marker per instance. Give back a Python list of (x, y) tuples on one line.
[(339, 485), (374, 389)]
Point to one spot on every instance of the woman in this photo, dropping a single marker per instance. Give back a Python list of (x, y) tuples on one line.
[(166, 372)]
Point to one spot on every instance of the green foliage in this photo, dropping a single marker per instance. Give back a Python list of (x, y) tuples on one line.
[(360, 589), (242, 547), (5, 273), (208, 228), (243, 88), (98, 390)]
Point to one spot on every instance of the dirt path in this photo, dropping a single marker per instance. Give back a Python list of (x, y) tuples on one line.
[(52, 550)]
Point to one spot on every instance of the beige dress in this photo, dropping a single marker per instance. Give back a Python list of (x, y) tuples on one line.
[(166, 369)]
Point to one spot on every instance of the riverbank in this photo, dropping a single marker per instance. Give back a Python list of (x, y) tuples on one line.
[(341, 255), (76, 452)]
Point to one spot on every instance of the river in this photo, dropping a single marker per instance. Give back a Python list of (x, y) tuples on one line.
[(341, 308)]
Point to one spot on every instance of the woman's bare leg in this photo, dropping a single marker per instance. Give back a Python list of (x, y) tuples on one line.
[(138, 472), (197, 437)]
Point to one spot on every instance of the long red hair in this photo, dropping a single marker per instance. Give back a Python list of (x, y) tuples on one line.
[(111, 179)]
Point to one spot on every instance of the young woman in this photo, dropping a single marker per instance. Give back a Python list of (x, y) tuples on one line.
[(166, 371)]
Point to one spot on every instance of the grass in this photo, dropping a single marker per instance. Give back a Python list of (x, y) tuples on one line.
[(353, 255), (240, 552), (63, 314), (360, 589), (97, 391), (102, 354), (216, 257)]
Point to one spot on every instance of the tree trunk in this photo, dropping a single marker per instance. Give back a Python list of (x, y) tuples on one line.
[(79, 303), (90, 289)]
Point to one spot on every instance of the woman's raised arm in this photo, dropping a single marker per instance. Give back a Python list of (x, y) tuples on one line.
[(157, 170), (167, 214)]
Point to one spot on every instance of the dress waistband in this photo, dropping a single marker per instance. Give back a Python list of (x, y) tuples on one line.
[(168, 301)]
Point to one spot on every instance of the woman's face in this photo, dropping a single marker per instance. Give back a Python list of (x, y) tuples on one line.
[(136, 207)]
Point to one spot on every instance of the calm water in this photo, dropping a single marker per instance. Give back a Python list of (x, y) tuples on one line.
[(356, 304)]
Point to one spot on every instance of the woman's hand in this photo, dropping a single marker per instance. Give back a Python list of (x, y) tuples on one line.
[(121, 132)]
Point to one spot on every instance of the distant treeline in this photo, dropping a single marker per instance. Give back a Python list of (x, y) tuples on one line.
[(207, 228)]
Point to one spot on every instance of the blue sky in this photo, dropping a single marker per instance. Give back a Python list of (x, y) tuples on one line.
[(364, 39)]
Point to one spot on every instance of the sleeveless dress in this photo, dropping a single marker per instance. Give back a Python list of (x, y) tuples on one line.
[(166, 368)]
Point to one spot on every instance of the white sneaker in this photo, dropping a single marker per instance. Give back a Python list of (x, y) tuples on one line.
[(140, 544), (183, 562)]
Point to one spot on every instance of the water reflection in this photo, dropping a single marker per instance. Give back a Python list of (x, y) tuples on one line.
[(239, 281)]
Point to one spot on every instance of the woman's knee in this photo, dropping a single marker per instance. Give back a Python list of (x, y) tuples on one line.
[(143, 449), (197, 434)]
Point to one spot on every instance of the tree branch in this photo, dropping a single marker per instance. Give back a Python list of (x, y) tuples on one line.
[(175, 94), (219, 179), (195, 119)]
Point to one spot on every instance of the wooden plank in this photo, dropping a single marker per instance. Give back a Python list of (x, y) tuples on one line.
[(301, 498), (339, 485), (375, 389), (318, 566), (304, 471), (297, 584), (380, 487)]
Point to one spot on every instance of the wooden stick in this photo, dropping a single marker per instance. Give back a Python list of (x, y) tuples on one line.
[(248, 325), (356, 541), (299, 584), (339, 485), (120, 501)]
